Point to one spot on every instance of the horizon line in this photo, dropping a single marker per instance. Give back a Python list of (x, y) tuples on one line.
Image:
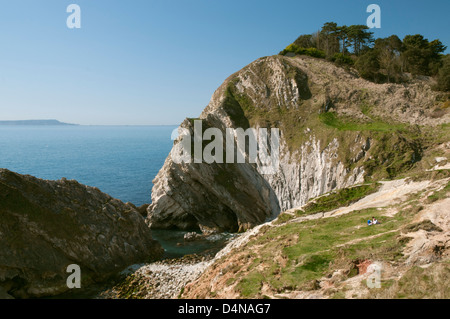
[(60, 123)]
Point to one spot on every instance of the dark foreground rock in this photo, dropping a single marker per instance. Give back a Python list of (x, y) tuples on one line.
[(47, 225)]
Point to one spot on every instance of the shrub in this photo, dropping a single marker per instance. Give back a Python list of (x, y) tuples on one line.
[(342, 59), (303, 51), (314, 53), (368, 66), (443, 78), (290, 48)]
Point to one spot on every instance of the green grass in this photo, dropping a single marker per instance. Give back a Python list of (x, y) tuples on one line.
[(251, 285), (330, 119), (309, 249), (340, 198), (366, 108), (283, 218), (439, 194)]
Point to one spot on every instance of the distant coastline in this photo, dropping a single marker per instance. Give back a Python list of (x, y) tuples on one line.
[(34, 122)]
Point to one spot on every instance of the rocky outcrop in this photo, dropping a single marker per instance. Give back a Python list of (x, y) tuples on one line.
[(212, 197), (308, 100), (47, 225)]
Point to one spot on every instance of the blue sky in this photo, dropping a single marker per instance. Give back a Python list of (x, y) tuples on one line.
[(146, 62)]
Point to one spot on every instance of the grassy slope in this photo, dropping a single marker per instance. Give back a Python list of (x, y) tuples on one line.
[(293, 256), (312, 252)]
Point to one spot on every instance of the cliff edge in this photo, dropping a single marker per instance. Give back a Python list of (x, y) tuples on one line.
[(336, 129)]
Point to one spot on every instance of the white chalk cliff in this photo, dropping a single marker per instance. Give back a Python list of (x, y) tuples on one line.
[(302, 97)]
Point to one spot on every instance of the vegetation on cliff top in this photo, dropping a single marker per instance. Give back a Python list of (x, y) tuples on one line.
[(379, 60)]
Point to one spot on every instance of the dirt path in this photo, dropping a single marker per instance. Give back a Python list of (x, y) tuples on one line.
[(390, 193)]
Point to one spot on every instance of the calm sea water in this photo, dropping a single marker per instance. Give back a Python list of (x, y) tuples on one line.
[(120, 160)]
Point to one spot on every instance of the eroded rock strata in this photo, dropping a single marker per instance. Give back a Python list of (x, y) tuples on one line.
[(336, 129)]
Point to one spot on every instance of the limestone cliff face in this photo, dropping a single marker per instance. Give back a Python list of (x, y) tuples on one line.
[(46, 226), (308, 100), (316, 173), (212, 197)]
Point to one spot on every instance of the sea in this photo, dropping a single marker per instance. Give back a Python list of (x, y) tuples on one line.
[(121, 161)]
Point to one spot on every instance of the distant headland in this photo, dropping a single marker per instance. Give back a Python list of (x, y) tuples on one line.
[(34, 122)]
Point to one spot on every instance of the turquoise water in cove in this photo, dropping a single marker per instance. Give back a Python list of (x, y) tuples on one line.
[(121, 161)]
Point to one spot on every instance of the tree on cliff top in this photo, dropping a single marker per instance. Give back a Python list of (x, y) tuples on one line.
[(386, 60)]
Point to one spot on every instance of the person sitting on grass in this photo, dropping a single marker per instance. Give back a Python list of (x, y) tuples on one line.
[(374, 221), (369, 222)]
